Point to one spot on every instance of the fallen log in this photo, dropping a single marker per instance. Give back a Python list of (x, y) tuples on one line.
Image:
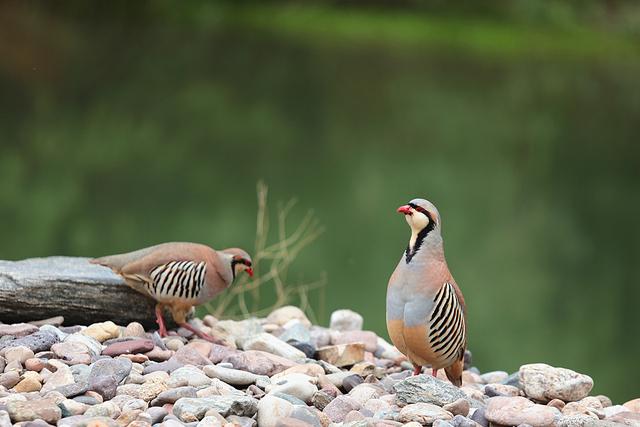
[(81, 292)]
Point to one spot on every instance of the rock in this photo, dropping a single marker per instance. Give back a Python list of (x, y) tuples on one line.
[(128, 347), (70, 408), (230, 376), (72, 351), (188, 355), (343, 354), (492, 390), (368, 338), (518, 410), (298, 385), (173, 394), (478, 416), (9, 379), (167, 366), (159, 355), (423, 413), (94, 347), (157, 414), (271, 409), (73, 389), (5, 420), (627, 418), (543, 383), (34, 364), (102, 331), (237, 331), (309, 350), (350, 381), (494, 377), (427, 389), (18, 330), (30, 383), (147, 391), (346, 320), (209, 421), (105, 409), (604, 400), (258, 362), (62, 376), (632, 405), (459, 407), (297, 331), (106, 374), (269, 343), (38, 341), (362, 393), (460, 421), (321, 399), (287, 313), (188, 375), (320, 337), (339, 407), (32, 410), (193, 409), (19, 353), (134, 329)]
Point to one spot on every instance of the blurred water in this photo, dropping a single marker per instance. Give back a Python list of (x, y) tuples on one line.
[(122, 139)]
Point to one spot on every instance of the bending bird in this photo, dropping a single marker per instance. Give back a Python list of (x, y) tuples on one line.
[(426, 315), (179, 275)]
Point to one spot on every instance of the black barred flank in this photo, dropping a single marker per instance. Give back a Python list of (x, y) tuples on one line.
[(447, 324), (178, 279)]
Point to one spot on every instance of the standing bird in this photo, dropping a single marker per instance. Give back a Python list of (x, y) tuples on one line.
[(425, 308), (179, 276)]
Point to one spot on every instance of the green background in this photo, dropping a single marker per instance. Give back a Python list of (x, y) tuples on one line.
[(125, 124)]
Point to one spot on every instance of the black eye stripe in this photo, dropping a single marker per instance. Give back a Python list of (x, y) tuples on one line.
[(420, 209)]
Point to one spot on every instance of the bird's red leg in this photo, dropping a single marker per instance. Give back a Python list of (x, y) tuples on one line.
[(434, 372), (199, 333), (417, 369), (162, 329)]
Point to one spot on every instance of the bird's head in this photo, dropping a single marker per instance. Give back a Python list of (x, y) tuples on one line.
[(421, 215), (240, 261)]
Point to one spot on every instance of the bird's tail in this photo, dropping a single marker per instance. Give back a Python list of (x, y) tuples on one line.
[(454, 372), (117, 262)]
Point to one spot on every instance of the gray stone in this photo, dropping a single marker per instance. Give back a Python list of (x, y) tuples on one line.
[(106, 374), (321, 399), (157, 414), (230, 376), (167, 366), (427, 389), (239, 421), (339, 407), (105, 409), (544, 383), (346, 320), (73, 389), (296, 331), (173, 394), (188, 375), (43, 409), (478, 416), (38, 341), (423, 413), (193, 409), (460, 421), (270, 344), (258, 362)]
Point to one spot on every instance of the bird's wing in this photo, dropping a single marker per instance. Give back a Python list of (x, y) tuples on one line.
[(447, 329)]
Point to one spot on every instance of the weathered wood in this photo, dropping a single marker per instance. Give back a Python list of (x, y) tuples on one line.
[(82, 292)]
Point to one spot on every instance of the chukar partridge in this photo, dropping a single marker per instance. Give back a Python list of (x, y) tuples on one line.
[(425, 308), (179, 276)]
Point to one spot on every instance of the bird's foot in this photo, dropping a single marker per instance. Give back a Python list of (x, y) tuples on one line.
[(162, 329), (417, 369), (201, 334), (434, 372)]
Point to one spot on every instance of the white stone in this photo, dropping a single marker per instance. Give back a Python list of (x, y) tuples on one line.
[(544, 383), (269, 343), (271, 409), (345, 320)]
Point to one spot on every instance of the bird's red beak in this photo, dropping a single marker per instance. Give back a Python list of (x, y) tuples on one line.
[(249, 271), (405, 209)]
